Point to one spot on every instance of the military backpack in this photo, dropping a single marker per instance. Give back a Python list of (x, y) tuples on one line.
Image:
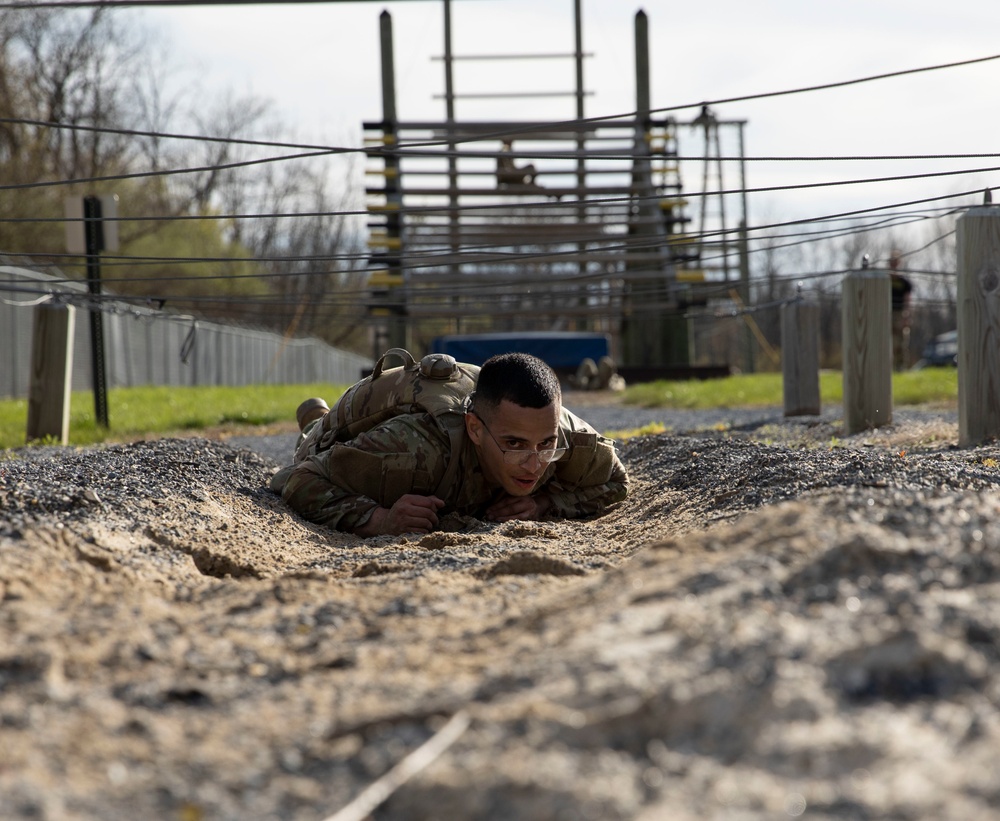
[(436, 385)]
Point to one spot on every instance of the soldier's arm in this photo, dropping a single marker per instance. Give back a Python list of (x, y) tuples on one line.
[(309, 491), (410, 514), (347, 486), (589, 477), (591, 495)]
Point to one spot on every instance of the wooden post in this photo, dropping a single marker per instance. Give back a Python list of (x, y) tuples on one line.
[(662, 337), (867, 344), (800, 357), (978, 237), (396, 323), (51, 373)]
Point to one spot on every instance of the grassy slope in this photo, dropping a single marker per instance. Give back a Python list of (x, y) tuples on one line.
[(929, 385), (135, 412)]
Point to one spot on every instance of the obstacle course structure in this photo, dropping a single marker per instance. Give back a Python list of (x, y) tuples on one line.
[(504, 226)]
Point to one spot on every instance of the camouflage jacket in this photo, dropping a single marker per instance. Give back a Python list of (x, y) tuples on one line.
[(341, 487)]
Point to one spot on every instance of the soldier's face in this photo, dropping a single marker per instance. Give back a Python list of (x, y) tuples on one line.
[(520, 432)]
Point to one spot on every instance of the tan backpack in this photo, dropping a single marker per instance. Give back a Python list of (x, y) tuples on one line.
[(436, 385)]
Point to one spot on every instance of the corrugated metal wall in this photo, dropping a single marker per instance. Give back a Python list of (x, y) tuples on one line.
[(145, 348)]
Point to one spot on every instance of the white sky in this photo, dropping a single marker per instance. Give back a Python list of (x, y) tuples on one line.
[(319, 64)]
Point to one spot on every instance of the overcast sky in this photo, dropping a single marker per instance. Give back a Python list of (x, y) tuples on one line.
[(319, 64)]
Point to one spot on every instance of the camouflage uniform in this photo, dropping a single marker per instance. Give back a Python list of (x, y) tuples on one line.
[(341, 486)]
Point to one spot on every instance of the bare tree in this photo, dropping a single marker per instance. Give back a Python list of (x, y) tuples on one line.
[(75, 68), (83, 96)]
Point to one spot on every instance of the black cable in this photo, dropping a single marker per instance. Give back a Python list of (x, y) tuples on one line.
[(112, 4), (400, 149), (489, 254), (632, 199), (146, 174), (167, 135)]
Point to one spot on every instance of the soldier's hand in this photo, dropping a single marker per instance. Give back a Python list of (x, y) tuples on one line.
[(410, 514), (518, 507)]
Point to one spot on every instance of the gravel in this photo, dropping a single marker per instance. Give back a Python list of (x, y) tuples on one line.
[(615, 418), (780, 621)]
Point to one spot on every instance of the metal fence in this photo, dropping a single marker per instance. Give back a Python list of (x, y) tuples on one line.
[(145, 347)]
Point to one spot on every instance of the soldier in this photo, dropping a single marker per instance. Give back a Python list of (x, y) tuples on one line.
[(510, 175), (901, 289), (520, 455)]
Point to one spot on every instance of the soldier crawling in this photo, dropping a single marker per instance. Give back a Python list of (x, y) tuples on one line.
[(507, 450)]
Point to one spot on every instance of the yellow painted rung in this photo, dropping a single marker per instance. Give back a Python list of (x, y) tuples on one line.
[(388, 173), (681, 239), (673, 202), (380, 312), (385, 139), (384, 206), (690, 275), (384, 279), (385, 242)]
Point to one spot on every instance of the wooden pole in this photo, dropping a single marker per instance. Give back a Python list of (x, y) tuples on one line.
[(581, 149), (396, 323), (648, 337), (51, 373), (800, 357), (454, 216), (978, 237), (867, 343), (749, 360)]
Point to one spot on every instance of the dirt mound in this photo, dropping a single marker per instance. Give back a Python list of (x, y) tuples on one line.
[(761, 630)]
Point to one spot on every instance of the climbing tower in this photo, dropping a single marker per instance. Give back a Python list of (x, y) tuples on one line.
[(507, 225)]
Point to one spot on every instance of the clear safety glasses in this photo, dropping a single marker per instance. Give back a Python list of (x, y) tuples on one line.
[(521, 456)]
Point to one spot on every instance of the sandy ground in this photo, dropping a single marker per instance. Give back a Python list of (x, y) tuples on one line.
[(779, 622)]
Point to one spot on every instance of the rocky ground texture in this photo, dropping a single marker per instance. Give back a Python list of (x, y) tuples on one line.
[(780, 621)]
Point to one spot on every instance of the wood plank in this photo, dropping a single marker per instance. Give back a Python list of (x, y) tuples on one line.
[(978, 237), (867, 350)]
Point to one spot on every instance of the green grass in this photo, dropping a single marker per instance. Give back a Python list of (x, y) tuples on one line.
[(136, 412), (929, 385)]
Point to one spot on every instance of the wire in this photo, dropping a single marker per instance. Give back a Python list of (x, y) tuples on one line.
[(27, 303), (742, 98), (838, 84), (167, 135), (486, 254), (172, 172), (400, 150), (111, 4)]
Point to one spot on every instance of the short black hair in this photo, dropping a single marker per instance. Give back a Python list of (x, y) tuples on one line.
[(520, 378)]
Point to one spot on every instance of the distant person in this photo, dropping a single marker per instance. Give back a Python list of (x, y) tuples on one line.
[(608, 378), (901, 289), (597, 376), (513, 453), (510, 175), (585, 377)]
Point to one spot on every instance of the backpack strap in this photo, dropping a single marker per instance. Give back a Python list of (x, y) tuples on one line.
[(454, 425), (409, 363)]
